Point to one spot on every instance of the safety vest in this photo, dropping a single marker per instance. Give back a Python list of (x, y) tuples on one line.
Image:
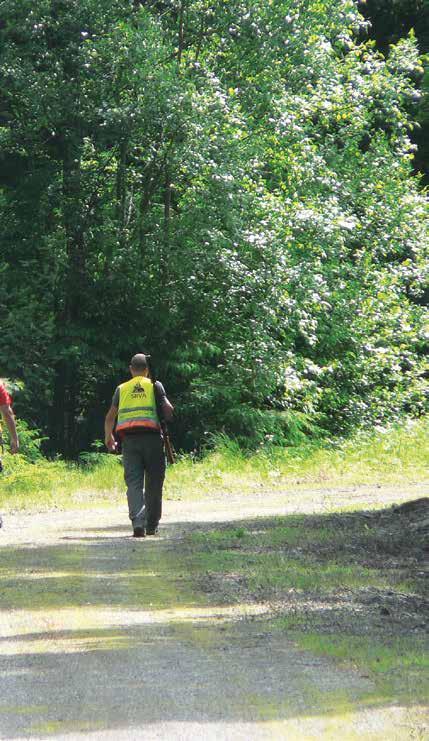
[(137, 407)]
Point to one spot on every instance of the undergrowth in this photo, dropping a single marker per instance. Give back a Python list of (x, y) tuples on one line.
[(384, 456)]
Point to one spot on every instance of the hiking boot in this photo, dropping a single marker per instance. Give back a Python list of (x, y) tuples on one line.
[(138, 532), (152, 530)]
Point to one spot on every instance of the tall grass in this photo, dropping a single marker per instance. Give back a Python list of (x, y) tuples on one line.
[(46, 484), (385, 456)]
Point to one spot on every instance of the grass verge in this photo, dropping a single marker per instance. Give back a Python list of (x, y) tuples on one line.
[(398, 455), (350, 586), (384, 456), (58, 484)]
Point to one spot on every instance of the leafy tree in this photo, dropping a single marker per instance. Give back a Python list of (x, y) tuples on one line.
[(227, 185), (389, 22)]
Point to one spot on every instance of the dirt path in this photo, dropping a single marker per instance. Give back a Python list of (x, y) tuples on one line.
[(103, 637)]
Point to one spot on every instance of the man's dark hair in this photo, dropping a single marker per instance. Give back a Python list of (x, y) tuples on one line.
[(139, 362)]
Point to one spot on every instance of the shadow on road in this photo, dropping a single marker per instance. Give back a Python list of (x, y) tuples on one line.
[(102, 632)]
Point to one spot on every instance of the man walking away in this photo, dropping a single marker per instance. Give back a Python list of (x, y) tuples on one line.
[(134, 405), (9, 418)]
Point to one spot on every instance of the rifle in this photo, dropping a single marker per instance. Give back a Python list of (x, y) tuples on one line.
[(167, 444)]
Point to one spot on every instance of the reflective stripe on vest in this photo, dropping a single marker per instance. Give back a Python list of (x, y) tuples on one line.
[(137, 407)]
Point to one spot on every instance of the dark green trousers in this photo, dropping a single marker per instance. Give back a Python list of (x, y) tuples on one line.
[(144, 471)]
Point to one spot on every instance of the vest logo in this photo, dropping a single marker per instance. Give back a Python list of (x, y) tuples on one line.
[(138, 390)]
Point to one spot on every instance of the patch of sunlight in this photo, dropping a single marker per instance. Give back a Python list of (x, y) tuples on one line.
[(23, 709), (339, 701), (19, 672), (23, 576), (87, 574), (104, 498), (395, 723), (69, 630), (71, 644), (56, 726)]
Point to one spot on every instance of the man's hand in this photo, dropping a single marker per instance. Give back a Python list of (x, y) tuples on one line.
[(109, 424), (110, 443)]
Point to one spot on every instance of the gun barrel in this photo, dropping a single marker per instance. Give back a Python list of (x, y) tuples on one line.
[(167, 445), (166, 437)]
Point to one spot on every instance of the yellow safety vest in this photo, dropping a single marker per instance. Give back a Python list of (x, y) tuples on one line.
[(137, 407)]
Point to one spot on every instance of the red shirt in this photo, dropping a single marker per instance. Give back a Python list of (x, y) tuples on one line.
[(4, 396)]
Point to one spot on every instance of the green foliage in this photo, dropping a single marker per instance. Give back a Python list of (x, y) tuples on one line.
[(391, 20), (45, 484), (385, 455), (30, 442), (228, 186), (395, 455)]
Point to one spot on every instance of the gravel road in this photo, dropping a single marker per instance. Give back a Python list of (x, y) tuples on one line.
[(103, 636)]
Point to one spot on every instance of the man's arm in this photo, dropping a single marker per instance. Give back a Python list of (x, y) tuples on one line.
[(9, 418), (168, 409), (109, 424)]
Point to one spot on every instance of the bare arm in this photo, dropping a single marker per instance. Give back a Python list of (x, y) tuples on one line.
[(164, 405), (109, 424), (9, 418), (168, 409)]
